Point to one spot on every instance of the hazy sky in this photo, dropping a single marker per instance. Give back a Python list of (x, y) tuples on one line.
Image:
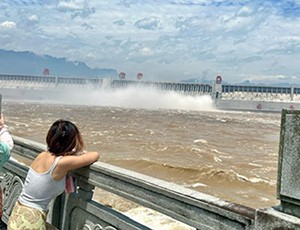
[(167, 40)]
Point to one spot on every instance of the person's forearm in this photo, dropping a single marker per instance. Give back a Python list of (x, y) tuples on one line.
[(6, 137)]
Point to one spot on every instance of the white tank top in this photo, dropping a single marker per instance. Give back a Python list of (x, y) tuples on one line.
[(40, 188)]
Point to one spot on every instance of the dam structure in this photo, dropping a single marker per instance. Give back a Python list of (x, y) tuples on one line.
[(35, 82), (225, 96)]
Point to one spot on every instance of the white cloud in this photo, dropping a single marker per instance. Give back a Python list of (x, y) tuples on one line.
[(72, 5), (245, 11), (33, 18), (7, 25), (166, 40), (147, 51), (151, 23)]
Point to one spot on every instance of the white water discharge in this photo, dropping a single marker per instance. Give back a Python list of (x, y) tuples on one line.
[(139, 97)]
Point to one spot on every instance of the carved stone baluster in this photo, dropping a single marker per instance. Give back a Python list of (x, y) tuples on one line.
[(11, 188)]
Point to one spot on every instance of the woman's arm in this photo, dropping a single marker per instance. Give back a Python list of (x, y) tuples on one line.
[(69, 163), (5, 136)]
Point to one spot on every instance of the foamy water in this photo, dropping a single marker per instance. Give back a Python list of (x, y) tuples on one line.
[(148, 98), (171, 136), (136, 97)]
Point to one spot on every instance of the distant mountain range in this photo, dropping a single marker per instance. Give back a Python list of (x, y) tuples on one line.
[(28, 63)]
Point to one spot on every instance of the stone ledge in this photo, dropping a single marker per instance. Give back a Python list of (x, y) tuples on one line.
[(272, 219)]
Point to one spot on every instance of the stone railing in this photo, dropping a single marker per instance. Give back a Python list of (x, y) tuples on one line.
[(80, 211)]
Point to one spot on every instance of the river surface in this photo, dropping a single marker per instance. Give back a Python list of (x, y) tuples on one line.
[(230, 155)]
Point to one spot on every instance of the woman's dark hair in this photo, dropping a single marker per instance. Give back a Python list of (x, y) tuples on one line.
[(64, 138)]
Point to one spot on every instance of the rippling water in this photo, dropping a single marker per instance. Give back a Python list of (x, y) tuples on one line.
[(231, 155)]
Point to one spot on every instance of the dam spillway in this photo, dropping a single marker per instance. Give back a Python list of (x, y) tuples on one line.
[(225, 96), (16, 81)]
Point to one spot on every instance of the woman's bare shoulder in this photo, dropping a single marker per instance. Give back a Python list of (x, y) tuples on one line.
[(43, 162)]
